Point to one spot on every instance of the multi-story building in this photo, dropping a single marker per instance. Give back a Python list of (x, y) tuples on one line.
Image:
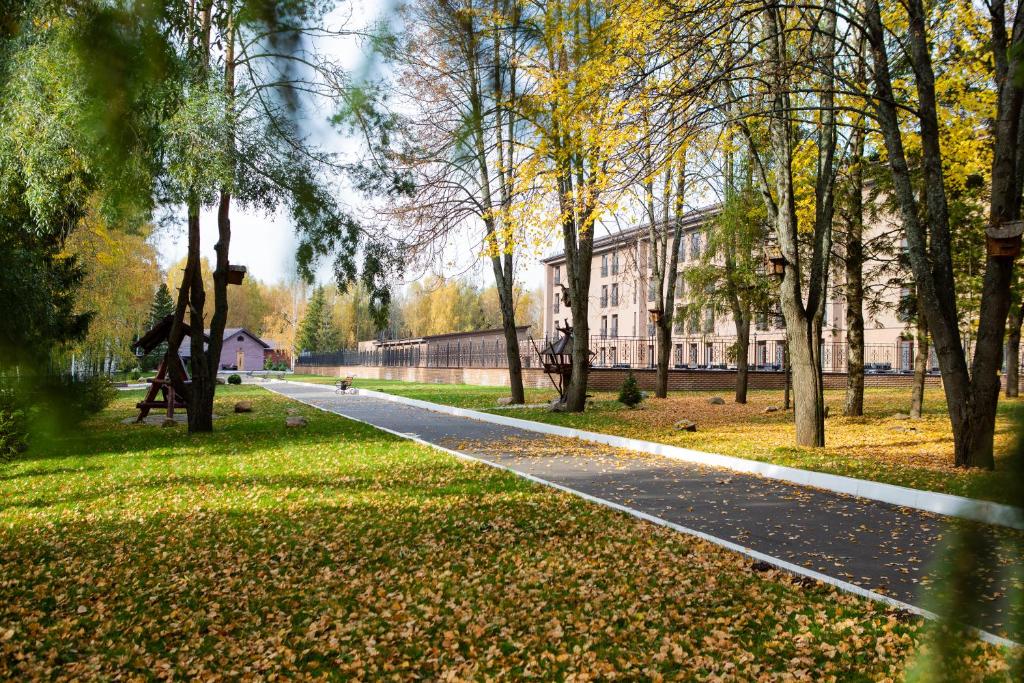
[(622, 296)]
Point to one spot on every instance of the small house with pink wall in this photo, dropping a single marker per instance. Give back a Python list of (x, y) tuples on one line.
[(242, 350)]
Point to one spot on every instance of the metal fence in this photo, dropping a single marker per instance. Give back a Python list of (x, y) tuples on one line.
[(480, 354), (698, 353)]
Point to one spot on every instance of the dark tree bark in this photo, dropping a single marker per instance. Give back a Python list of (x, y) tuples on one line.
[(920, 366), (579, 251), (742, 352), (855, 282), (204, 378), (972, 396), (1013, 325)]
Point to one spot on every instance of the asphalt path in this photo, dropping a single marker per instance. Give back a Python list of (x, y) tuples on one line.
[(897, 552)]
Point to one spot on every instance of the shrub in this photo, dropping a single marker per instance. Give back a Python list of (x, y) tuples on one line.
[(630, 394), (136, 375), (93, 394), (268, 364), (282, 366), (13, 427), (234, 379)]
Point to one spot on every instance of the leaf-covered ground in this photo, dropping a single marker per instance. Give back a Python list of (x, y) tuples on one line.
[(878, 447), (341, 552)]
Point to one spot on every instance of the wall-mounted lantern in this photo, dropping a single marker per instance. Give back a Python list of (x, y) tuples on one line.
[(655, 315), (236, 274), (1003, 241), (774, 260)]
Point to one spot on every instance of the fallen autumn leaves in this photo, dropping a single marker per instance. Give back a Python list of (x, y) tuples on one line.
[(341, 552)]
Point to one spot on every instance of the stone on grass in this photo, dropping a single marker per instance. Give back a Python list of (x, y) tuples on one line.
[(901, 416), (556, 406), (771, 409), (293, 411), (243, 407), (686, 426), (716, 401), (295, 421), (505, 401)]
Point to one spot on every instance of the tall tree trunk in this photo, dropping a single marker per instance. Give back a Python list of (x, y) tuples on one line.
[(578, 264), (500, 247), (972, 397), (204, 384), (1016, 317), (199, 419), (503, 278), (663, 340), (742, 353), (855, 284), (920, 367), (788, 379)]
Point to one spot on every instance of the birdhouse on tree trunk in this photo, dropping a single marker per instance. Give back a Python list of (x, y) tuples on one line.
[(236, 274), (774, 260), (1003, 241)]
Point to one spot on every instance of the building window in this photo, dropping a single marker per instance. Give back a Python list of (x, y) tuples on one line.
[(679, 355), (693, 323), (557, 300), (709, 320), (241, 338), (615, 263), (615, 326), (558, 275), (612, 353), (761, 324), (650, 290), (615, 295), (693, 355), (650, 329), (694, 246), (677, 322), (604, 296), (680, 286), (604, 326), (682, 249), (604, 265)]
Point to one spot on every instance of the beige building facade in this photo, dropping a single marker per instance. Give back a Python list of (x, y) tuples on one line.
[(622, 295)]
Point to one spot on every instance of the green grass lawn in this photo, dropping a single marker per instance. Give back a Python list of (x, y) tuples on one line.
[(913, 453), (342, 552)]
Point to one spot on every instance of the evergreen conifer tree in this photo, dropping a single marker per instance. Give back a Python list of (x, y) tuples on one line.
[(630, 394), (162, 306)]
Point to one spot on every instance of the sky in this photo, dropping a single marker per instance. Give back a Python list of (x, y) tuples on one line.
[(265, 244)]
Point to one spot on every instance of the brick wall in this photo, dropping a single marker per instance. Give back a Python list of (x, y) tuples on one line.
[(601, 379)]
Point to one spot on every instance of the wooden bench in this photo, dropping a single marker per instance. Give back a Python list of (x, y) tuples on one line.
[(343, 384)]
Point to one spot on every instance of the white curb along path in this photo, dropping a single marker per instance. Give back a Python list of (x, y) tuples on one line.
[(929, 501), (844, 586)]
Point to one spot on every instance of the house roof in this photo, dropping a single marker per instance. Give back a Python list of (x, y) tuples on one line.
[(186, 344), (691, 220)]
